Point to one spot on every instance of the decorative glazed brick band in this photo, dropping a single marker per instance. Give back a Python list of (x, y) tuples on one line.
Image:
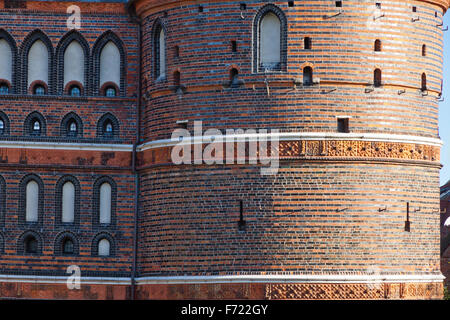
[(253, 291), (267, 287), (354, 291), (314, 149), (298, 291)]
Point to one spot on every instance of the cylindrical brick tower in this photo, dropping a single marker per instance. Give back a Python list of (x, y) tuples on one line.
[(353, 89)]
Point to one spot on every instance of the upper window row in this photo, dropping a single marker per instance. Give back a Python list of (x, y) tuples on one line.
[(66, 70), (269, 47)]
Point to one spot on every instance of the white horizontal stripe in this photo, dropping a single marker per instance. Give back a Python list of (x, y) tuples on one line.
[(50, 280), (66, 146), (293, 136), (327, 278), (284, 136)]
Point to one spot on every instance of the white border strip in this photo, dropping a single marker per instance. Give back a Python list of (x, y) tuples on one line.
[(66, 146), (293, 279), (51, 280), (293, 136), (288, 136), (328, 278)]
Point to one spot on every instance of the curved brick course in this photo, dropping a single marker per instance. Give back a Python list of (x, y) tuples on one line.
[(336, 206), (329, 225)]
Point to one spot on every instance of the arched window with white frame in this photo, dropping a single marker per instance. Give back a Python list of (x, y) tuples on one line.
[(270, 39), (105, 203), (6, 63), (110, 64), (159, 53), (32, 201), (104, 248), (74, 63), (270, 47), (38, 63), (68, 202)]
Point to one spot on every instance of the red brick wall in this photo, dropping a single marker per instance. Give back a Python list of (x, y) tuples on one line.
[(311, 217), (85, 165), (342, 56), (340, 213), (315, 215)]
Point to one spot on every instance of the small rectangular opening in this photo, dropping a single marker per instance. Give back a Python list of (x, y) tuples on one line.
[(233, 46), (243, 7), (414, 9), (290, 3), (338, 4), (407, 222), (308, 43), (343, 125), (242, 224)]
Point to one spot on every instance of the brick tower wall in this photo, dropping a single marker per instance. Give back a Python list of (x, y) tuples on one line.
[(53, 156), (338, 204)]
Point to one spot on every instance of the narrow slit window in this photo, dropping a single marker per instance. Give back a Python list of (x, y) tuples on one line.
[(377, 46), (233, 46), (424, 82), (177, 78), (307, 76), (308, 43), (234, 77), (377, 78)]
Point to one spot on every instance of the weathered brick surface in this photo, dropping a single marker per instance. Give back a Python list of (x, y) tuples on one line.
[(342, 57), (334, 208), (84, 166), (341, 211), (311, 217)]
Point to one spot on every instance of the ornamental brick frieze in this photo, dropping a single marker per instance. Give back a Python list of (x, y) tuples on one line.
[(359, 149), (307, 291), (314, 150)]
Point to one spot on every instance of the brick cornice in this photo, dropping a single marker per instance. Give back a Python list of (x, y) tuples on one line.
[(145, 7)]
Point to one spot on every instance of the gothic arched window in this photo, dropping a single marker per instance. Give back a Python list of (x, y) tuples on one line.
[(110, 64), (270, 39)]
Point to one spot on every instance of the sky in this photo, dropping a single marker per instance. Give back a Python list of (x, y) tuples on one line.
[(444, 107)]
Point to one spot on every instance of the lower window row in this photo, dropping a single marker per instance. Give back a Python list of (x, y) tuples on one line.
[(66, 244)]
